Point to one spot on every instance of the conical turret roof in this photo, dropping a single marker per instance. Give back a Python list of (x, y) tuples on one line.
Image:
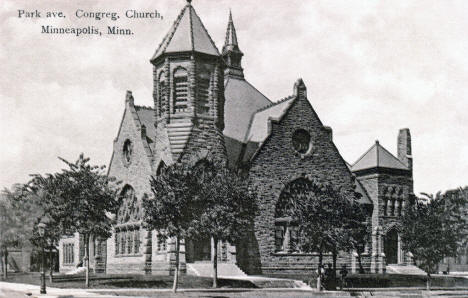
[(187, 34), (378, 157)]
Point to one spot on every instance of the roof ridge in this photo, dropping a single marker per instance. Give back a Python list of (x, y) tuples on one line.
[(144, 107), (171, 32), (362, 156), (207, 33), (396, 158), (272, 104)]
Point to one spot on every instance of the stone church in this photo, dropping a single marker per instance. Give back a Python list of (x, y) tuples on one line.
[(204, 107)]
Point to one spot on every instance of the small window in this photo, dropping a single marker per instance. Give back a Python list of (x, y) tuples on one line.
[(136, 240), (68, 253), (301, 141), (279, 237), (162, 93), (127, 151)]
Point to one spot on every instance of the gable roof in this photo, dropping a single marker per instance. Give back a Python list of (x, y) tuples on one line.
[(146, 117), (242, 100), (187, 34), (378, 157), (260, 124)]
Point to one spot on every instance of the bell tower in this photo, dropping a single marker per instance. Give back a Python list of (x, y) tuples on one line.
[(188, 81)]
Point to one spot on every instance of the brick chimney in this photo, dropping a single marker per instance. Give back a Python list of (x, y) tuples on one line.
[(404, 148)]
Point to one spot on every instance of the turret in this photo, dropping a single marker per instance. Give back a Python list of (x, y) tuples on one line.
[(231, 53)]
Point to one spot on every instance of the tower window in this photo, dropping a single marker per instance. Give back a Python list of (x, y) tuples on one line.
[(180, 90), (203, 90), (162, 103)]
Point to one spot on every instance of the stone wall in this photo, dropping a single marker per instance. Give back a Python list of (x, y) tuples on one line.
[(275, 165)]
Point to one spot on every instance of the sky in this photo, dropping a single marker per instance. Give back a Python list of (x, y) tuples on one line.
[(371, 67)]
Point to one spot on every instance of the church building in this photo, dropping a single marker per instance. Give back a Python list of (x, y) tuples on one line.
[(204, 107)]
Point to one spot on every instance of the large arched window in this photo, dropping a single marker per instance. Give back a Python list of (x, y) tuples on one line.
[(203, 93), (162, 95), (128, 206), (286, 230), (180, 90)]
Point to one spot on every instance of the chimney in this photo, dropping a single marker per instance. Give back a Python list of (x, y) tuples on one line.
[(404, 148), (300, 89)]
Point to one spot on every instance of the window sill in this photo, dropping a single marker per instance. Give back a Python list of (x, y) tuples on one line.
[(128, 256)]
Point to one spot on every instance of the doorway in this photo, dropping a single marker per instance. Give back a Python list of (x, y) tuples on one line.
[(391, 247)]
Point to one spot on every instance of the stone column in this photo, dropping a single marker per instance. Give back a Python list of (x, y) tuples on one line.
[(287, 240), (375, 253), (399, 255), (381, 255), (354, 256)]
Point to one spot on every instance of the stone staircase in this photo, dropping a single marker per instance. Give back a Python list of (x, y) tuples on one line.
[(404, 269), (206, 269)]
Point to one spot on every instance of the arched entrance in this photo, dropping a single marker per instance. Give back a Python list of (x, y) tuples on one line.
[(391, 246)]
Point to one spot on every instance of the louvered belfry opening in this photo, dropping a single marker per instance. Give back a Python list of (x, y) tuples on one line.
[(203, 92), (180, 90)]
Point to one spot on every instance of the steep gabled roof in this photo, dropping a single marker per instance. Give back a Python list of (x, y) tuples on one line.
[(260, 124), (187, 34), (242, 100), (378, 157), (146, 117)]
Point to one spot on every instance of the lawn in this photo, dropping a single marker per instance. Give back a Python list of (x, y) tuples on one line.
[(388, 280), (128, 281)]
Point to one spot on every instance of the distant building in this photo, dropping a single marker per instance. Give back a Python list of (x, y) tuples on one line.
[(205, 107)]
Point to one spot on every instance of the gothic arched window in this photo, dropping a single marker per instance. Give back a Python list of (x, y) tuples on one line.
[(180, 90), (162, 93), (286, 229), (128, 206), (127, 151)]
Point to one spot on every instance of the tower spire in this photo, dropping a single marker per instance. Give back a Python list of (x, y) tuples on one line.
[(231, 52), (231, 36)]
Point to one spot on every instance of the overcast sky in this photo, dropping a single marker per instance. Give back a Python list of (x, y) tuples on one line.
[(371, 68)]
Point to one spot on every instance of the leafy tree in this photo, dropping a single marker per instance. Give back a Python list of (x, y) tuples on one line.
[(79, 199), (16, 221), (171, 211), (328, 219), (225, 206), (431, 229)]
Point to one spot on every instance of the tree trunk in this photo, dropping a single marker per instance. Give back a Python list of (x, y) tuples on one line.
[(428, 282), (215, 262), (319, 275), (176, 271), (86, 259), (51, 264), (335, 256), (5, 264)]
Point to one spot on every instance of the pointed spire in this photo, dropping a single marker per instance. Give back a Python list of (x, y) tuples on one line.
[(188, 34), (231, 36), (231, 52)]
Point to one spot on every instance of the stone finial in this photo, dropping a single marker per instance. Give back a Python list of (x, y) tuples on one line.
[(129, 97), (300, 88)]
